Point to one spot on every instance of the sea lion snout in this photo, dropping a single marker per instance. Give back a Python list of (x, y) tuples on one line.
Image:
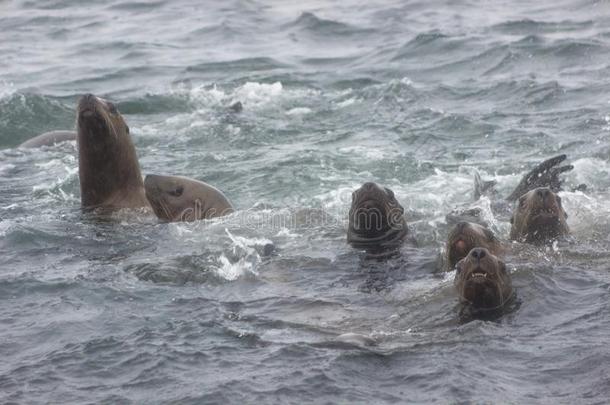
[(87, 104), (478, 253)]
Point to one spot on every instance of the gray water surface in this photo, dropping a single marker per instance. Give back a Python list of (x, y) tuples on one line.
[(412, 95)]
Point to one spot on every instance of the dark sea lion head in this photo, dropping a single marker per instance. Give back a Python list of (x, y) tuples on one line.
[(376, 219), (465, 236), (482, 280), (175, 198), (108, 164), (539, 217)]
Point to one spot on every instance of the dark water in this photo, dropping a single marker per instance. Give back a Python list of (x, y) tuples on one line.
[(413, 95)]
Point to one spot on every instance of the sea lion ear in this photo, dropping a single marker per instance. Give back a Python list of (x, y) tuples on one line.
[(502, 267), (389, 192), (127, 128)]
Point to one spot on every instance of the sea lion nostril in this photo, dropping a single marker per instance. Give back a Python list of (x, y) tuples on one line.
[(543, 192), (477, 253)]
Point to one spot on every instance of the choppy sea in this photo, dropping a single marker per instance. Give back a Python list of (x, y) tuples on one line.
[(415, 95)]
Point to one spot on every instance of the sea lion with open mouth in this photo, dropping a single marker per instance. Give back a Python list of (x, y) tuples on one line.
[(482, 281), (539, 217), (465, 236), (376, 220), (108, 167), (175, 198)]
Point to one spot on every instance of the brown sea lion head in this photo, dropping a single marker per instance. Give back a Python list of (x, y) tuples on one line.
[(175, 198), (465, 236), (482, 281), (539, 217), (376, 219), (108, 165)]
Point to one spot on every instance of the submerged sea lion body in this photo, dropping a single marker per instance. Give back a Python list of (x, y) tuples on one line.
[(539, 217), (482, 281), (49, 139), (465, 236), (108, 167), (175, 198), (376, 220)]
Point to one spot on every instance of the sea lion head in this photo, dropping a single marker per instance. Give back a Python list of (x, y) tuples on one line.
[(376, 219), (465, 236), (482, 280), (539, 217), (108, 164), (175, 198)]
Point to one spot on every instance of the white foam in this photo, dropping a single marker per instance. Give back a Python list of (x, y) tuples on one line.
[(346, 103), (248, 257), (6, 90), (368, 152), (299, 111), (232, 271)]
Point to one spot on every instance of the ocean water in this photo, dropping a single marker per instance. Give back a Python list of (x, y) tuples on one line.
[(415, 95)]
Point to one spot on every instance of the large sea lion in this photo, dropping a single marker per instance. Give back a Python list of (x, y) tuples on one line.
[(482, 281), (465, 236), (108, 166), (376, 219), (539, 217), (49, 139), (175, 198)]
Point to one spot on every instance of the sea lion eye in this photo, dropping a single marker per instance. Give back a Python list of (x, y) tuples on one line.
[(177, 192)]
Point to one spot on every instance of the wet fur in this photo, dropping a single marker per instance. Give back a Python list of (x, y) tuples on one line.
[(373, 203), (539, 217), (487, 293), (474, 235), (109, 171)]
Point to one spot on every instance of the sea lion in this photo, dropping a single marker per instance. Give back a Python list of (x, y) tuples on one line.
[(108, 167), (539, 217), (175, 198), (49, 139), (545, 174), (482, 282), (465, 236), (376, 219)]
